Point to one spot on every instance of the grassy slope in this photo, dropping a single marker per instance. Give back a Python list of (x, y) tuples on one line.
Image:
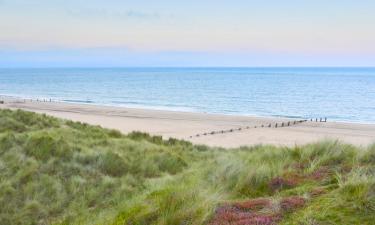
[(60, 172)]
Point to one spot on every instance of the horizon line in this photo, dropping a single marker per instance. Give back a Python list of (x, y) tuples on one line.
[(186, 67)]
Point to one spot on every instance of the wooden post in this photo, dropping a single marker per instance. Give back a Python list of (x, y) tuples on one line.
[(325, 119), (276, 125)]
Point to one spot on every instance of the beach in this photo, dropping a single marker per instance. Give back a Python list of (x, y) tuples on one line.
[(202, 128)]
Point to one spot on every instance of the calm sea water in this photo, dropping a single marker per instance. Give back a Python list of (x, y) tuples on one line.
[(342, 94)]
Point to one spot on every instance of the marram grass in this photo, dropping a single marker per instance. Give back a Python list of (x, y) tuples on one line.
[(54, 171)]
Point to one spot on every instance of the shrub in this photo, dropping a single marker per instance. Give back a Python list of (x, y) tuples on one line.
[(291, 203), (168, 162), (43, 146), (38, 121), (114, 133), (369, 156), (9, 124), (7, 140), (138, 136), (112, 164)]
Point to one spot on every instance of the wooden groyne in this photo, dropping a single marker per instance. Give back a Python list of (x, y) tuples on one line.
[(268, 125)]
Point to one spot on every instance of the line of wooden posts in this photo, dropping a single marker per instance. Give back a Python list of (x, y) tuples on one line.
[(270, 125)]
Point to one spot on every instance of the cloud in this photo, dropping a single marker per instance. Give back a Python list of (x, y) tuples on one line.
[(140, 15), (89, 13)]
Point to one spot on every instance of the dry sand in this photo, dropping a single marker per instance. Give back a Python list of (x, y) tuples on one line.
[(182, 125)]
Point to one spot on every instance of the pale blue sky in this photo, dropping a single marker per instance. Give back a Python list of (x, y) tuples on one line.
[(187, 33)]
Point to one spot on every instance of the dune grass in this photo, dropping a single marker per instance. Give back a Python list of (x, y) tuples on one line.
[(54, 171)]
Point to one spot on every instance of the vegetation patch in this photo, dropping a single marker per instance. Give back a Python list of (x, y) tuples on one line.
[(55, 171), (43, 146), (112, 164)]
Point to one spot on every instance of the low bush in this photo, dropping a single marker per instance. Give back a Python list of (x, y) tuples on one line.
[(43, 145), (112, 164)]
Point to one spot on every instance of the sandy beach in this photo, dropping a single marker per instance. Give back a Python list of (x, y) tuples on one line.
[(238, 130)]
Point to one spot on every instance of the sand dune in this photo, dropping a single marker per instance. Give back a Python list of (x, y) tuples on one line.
[(183, 125)]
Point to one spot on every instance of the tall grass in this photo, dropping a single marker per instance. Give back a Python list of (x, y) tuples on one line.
[(62, 172)]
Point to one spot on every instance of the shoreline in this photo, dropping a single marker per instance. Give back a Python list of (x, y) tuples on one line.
[(171, 109), (185, 125)]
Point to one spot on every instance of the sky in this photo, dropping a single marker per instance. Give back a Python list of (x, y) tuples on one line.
[(133, 33)]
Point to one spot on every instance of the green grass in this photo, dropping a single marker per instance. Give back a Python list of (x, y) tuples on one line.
[(54, 171)]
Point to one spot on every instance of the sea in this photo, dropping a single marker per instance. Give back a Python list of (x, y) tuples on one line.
[(340, 94)]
